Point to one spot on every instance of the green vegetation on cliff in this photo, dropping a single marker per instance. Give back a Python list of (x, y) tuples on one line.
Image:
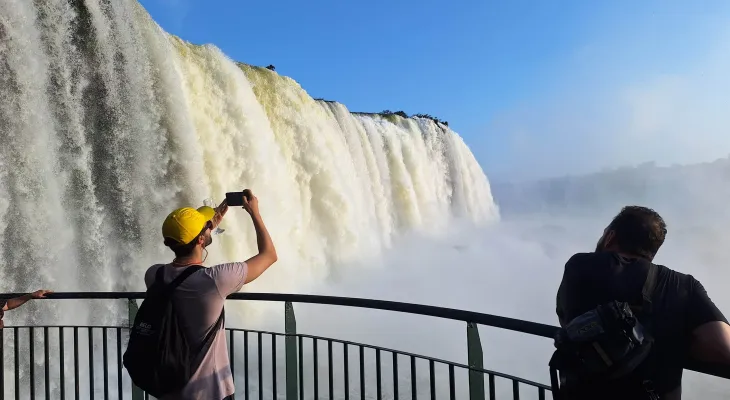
[(387, 113)]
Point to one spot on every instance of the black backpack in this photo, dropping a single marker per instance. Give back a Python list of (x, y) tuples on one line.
[(158, 357), (605, 353)]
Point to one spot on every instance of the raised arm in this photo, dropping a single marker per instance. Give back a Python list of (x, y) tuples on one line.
[(220, 211), (267, 252)]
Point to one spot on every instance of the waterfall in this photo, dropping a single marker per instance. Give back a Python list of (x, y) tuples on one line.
[(108, 123)]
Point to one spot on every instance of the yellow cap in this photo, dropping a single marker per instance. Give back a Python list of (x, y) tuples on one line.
[(208, 212), (183, 225)]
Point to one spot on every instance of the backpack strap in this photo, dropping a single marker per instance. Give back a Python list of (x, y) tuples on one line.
[(645, 370), (647, 292), (168, 289), (216, 327), (208, 341)]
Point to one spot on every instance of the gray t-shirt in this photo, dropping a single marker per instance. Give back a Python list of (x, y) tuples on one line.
[(201, 297)]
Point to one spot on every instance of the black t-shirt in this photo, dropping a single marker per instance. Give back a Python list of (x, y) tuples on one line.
[(680, 304)]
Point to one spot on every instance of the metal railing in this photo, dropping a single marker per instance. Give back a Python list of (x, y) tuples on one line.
[(81, 350)]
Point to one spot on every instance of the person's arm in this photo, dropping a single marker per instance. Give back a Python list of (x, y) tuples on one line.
[(709, 329), (230, 277), (710, 342), (19, 301), (220, 211), (267, 252)]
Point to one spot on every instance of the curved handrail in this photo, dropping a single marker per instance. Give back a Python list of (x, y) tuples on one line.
[(532, 328), (512, 324)]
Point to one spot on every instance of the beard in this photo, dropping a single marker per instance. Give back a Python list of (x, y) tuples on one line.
[(208, 240)]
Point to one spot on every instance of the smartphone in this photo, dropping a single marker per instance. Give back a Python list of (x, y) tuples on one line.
[(235, 199)]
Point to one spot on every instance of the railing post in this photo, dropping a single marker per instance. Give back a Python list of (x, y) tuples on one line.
[(290, 347), (476, 360), (137, 393)]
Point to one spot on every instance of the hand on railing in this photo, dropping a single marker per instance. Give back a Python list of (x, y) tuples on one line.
[(18, 301), (39, 294)]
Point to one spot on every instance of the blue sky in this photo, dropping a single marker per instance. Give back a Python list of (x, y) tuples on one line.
[(536, 88)]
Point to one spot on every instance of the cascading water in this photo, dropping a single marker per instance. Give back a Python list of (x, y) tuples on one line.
[(107, 123)]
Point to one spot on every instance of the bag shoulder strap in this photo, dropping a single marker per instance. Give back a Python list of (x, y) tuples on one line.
[(647, 292), (216, 327), (177, 281), (159, 278), (208, 341)]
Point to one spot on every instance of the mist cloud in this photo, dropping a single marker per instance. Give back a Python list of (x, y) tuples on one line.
[(513, 267)]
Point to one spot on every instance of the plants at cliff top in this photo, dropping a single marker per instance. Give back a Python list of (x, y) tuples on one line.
[(399, 113), (387, 113), (432, 118)]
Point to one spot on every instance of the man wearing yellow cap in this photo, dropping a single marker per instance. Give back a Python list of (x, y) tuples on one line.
[(200, 297)]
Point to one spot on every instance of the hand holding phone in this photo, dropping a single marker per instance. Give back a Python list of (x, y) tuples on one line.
[(251, 203), (244, 199), (236, 199)]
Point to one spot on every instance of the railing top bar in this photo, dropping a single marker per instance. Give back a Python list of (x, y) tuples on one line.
[(83, 295), (532, 328), (511, 324)]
